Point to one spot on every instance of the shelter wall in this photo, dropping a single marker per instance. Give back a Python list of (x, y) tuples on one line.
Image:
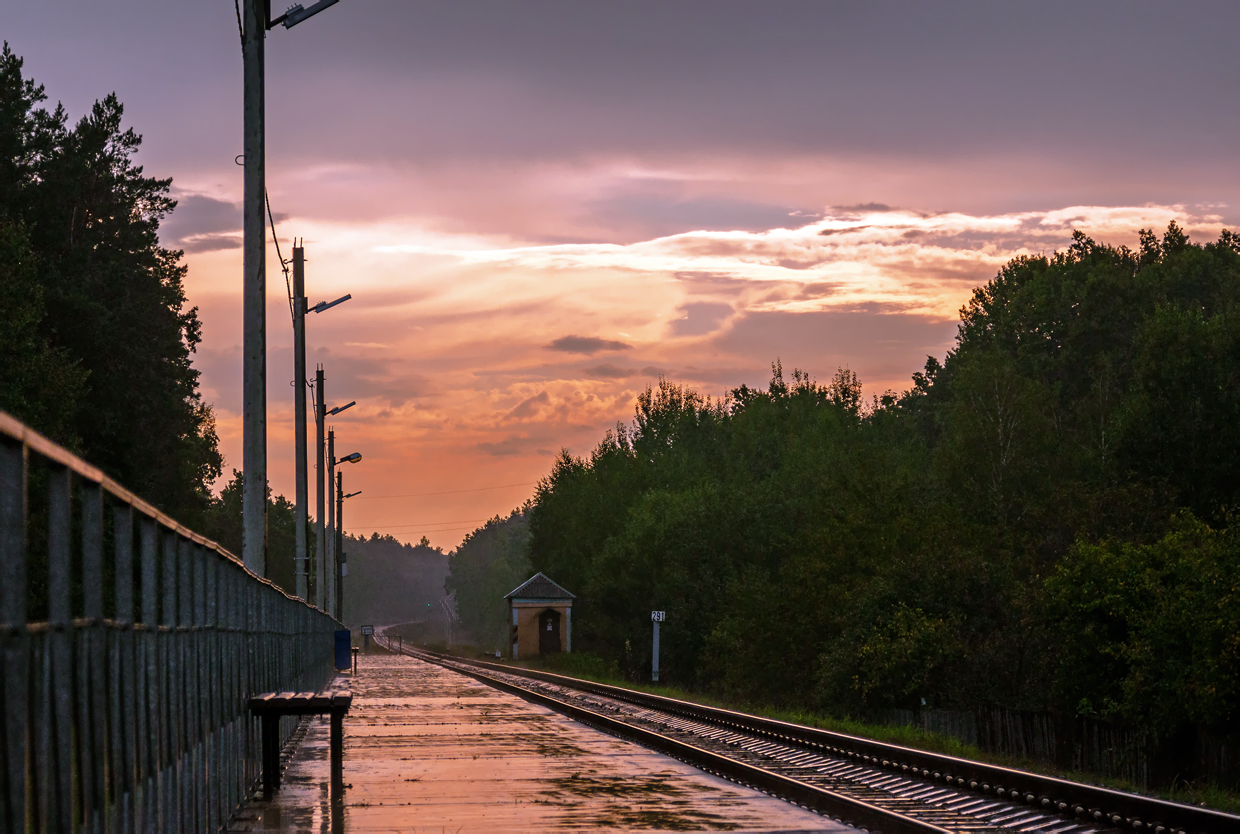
[(526, 614)]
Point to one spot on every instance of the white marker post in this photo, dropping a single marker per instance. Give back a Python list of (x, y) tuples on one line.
[(656, 617)]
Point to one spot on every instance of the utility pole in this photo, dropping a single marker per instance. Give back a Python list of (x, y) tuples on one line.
[(342, 561), (254, 351), (339, 540), (255, 21), (329, 565), (299, 410), (320, 543)]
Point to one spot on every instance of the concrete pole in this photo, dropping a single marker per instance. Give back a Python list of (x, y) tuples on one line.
[(339, 541), (254, 353), (320, 542), (299, 410), (329, 563)]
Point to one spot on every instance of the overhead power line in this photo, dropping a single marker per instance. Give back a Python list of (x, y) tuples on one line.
[(448, 491), (420, 529), (433, 523)]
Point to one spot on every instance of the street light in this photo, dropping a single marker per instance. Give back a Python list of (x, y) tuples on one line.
[(353, 458), (340, 408)]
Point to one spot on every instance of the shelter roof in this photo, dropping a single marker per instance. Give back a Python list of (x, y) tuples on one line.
[(539, 586)]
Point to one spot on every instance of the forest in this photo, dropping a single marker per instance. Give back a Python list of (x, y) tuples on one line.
[(98, 340), (1042, 521)]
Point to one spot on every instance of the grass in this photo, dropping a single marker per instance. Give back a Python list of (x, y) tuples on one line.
[(592, 668)]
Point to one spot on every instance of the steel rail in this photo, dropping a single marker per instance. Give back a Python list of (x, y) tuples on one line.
[(1100, 807)]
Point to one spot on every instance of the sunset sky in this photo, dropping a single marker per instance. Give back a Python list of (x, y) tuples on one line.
[(541, 207)]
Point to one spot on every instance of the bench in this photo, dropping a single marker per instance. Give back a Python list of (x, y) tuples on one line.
[(272, 706)]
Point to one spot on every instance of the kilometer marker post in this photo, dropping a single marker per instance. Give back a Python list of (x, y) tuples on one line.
[(656, 617)]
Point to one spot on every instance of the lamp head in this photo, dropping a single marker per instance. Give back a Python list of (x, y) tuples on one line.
[(327, 305), (296, 14), (353, 458)]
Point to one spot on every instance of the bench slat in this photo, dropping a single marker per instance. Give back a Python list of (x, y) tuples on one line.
[(301, 703)]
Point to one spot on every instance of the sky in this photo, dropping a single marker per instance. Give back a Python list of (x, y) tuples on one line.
[(542, 207)]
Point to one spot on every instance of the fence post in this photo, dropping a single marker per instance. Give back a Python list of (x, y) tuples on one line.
[(13, 683)]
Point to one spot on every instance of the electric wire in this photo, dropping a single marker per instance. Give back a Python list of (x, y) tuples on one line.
[(283, 263), (449, 491)]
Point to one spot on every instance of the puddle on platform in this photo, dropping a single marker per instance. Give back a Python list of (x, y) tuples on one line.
[(660, 801), (429, 750)]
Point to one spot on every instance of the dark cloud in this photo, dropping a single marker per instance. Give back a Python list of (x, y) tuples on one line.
[(204, 224), (354, 377), (651, 370), (862, 207), (700, 318), (949, 78), (392, 82), (648, 210), (529, 407), (588, 345), (609, 371), (199, 216), (507, 447), (208, 243)]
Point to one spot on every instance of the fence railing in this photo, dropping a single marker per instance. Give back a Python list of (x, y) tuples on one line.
[(130, 647)]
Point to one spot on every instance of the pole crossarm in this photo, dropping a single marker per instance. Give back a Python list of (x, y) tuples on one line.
[(131, 645)]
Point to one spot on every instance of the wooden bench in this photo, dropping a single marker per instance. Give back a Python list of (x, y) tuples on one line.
[(272, 706)]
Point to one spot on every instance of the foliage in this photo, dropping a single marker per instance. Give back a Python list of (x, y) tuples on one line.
[(222, 522), (392, 582), (490, 562), (1151, 633), (100, 337)]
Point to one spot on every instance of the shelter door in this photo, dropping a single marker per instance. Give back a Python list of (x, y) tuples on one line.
[(549, 632)]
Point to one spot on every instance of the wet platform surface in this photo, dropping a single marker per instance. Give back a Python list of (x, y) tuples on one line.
[(429, 750)]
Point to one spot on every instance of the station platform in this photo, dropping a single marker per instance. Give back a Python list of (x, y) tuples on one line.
[(430, 750)]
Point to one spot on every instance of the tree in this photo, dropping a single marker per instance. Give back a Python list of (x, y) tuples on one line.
[(221, 521), (112, 332), (490, 562), (39, 384)]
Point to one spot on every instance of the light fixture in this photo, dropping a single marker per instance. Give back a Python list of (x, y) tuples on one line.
[(296, 14), (327, 305)]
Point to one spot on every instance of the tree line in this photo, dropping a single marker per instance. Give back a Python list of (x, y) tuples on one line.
[(1041, 521), (98, 337)]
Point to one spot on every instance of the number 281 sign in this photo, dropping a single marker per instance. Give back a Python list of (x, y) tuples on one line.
[(657, 616)]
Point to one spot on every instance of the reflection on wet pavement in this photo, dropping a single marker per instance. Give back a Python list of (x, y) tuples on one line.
[(427, 749)]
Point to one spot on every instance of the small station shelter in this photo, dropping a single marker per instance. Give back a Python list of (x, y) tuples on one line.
[(542, 618)]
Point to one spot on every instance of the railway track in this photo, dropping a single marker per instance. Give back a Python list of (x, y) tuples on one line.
[(871, 785)]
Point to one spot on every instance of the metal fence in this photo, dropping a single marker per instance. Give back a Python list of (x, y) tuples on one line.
[(130, 647)]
